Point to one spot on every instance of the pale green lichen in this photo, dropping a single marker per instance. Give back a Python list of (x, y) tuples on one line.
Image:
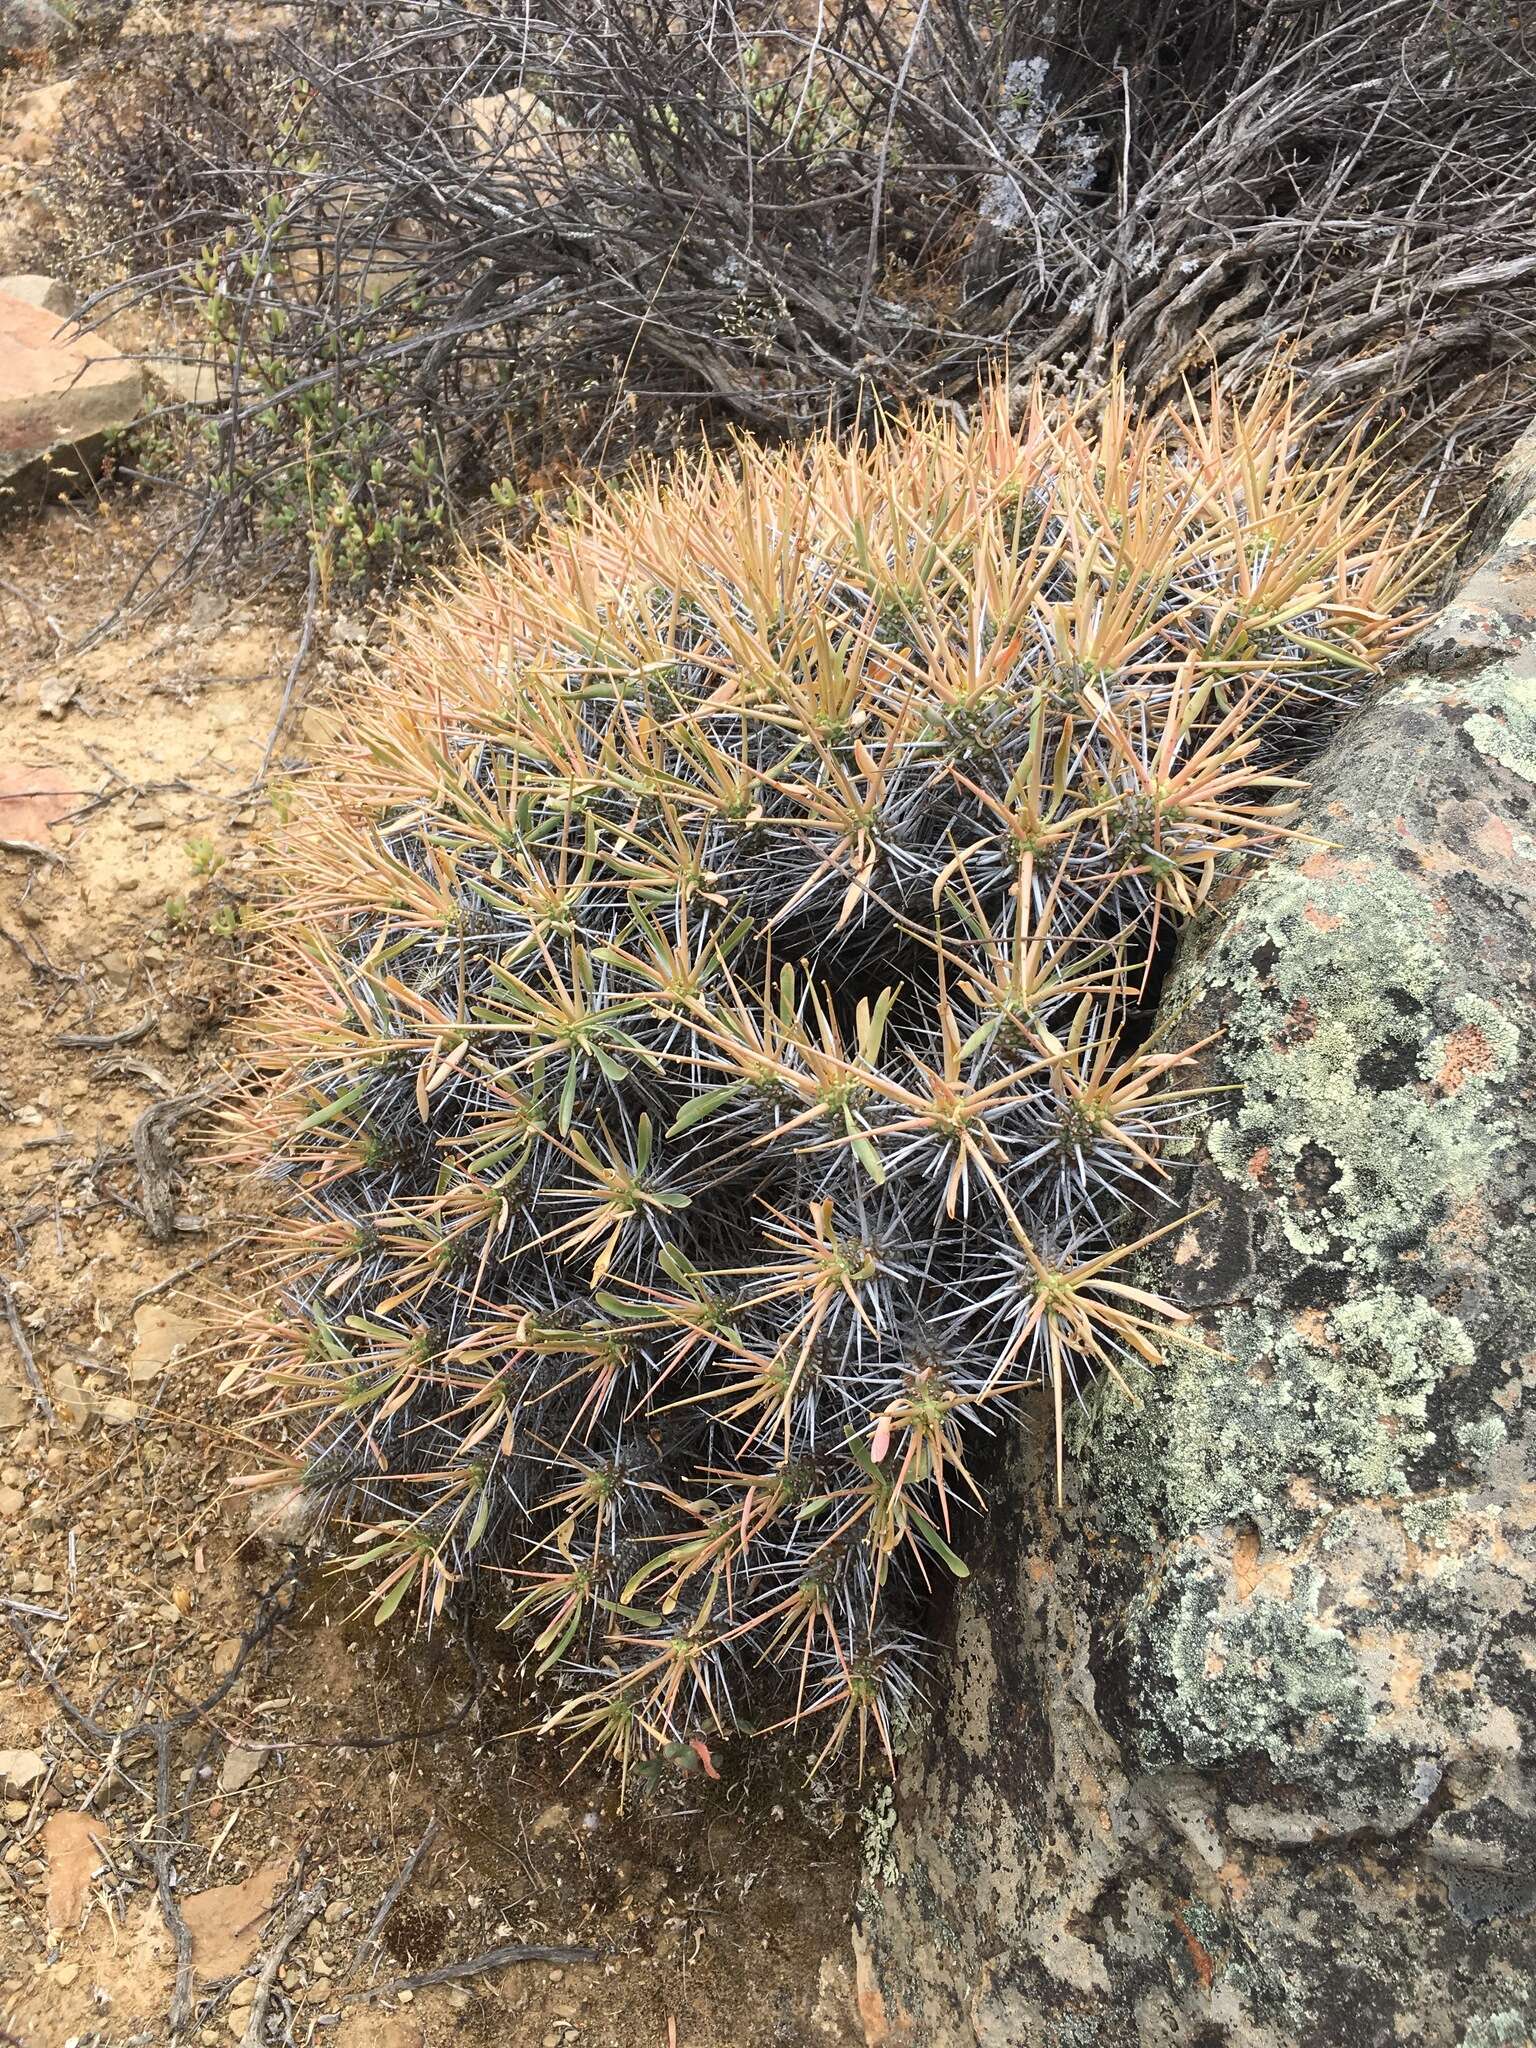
[(1508, 2029), (1495, 1038), (1346, 1408), (1503, 728), (1370, 1162), (877, 1829), (1429, 1519), (1257, 1680), (1479, 1439), (1510, 740)]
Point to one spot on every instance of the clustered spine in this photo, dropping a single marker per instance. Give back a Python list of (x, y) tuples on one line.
[(706, 1048)]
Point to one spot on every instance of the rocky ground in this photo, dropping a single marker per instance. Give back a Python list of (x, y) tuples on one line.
[(229, 1808)]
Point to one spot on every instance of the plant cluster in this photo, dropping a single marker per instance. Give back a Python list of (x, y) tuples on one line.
[(705, 1051), (510, 241)]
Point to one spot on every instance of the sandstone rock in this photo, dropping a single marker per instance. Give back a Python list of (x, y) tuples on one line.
[(56, 692), (72, 1845), (1238, 1746), (37, 117), (226, 1922), (226, 1656), (241, 1765), (31, 288), (59, 396), (160, 1337), (35, 796), (20, 1772)]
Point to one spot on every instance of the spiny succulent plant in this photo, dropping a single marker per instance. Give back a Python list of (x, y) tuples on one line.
[(706, 1047)]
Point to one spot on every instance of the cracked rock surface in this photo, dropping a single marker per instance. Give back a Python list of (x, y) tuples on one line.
[(1238, 1747)]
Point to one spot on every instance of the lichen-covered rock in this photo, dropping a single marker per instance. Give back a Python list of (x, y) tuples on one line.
[(1240, 1746)]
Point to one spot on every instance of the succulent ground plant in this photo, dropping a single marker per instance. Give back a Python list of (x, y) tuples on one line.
[(706, 1046)]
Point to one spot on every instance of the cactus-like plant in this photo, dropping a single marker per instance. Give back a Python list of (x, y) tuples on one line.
[(706, 1044)]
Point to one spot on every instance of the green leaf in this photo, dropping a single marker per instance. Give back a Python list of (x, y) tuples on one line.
[(935, 1542), (392, 1598), (870, 1160), (567, 1635), (567, 1100), (334, 1108), (702, 1106)]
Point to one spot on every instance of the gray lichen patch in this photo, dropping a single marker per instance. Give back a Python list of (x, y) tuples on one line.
[(1357, 1125), (1264, 1679), (1506, 730), (1330, 1405)]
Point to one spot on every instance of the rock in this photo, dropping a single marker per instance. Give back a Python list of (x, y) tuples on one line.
[(183, 383), (12, 1501), (175, 1029), (31, 25), (285, 1519), (56, 692), (34, 797), (835, 2015), (1237, 1746), (160, 1337), (20, 1771), (226, 1656), (31, 288), (241, 1765), (64, 1975), (60, 395), (72, 1844), (37, 117), (226, 1922), (48, 293), (70, 1397)]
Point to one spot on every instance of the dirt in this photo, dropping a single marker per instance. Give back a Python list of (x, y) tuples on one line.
[(307, 1757)]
